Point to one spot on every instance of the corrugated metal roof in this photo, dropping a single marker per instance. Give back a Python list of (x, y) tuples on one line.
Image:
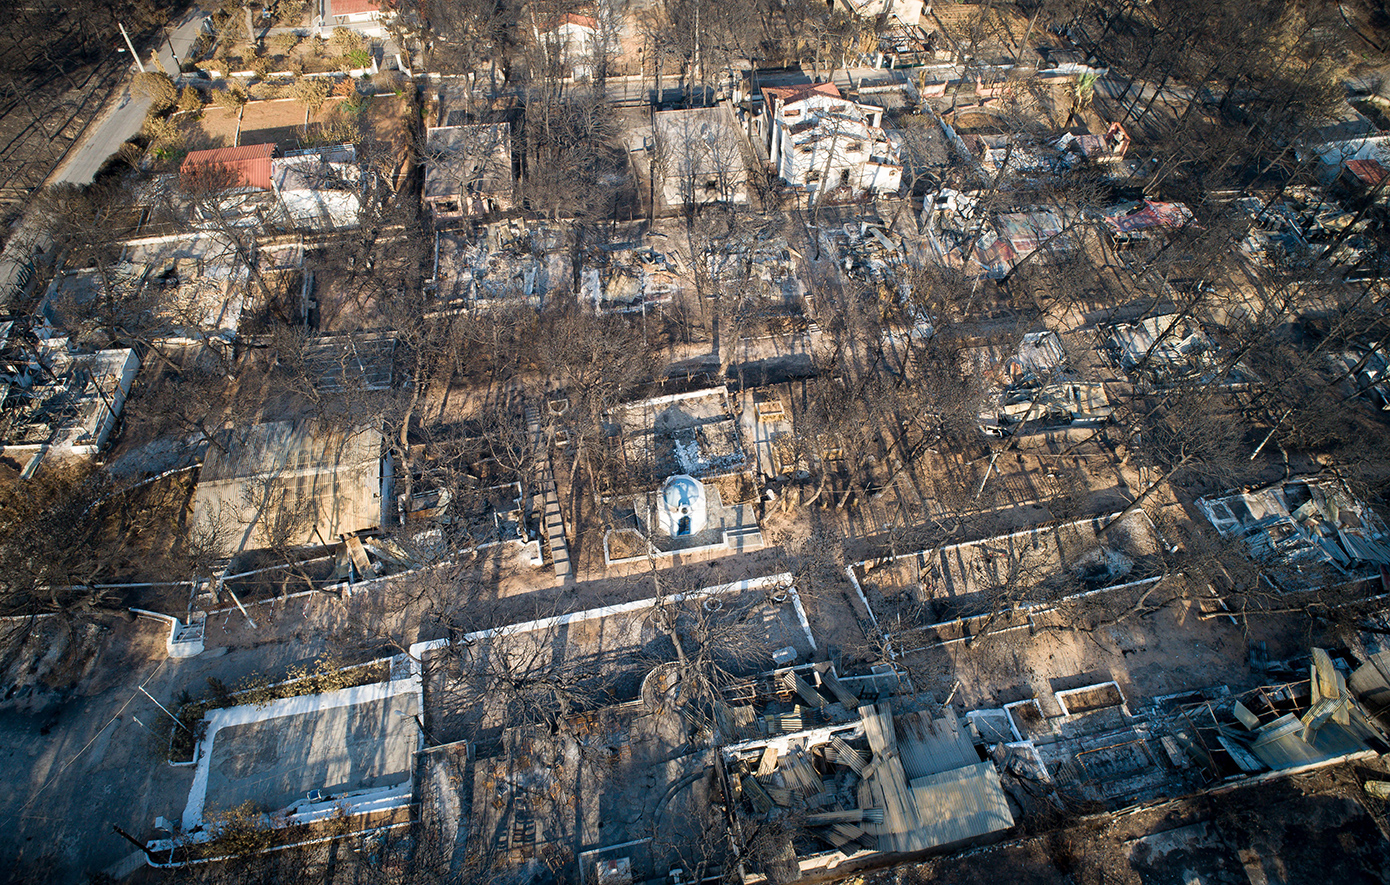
[(1026, 231), (928, 746), (1147, 216), (954, 806), (1371, 683), (1113, 143), (888, 787), (1371, 172), (1280, 743), (250, 163), (938, 809), (229, 155)]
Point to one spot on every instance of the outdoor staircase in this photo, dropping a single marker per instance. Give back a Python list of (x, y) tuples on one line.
[(744, 538), (544, 481)]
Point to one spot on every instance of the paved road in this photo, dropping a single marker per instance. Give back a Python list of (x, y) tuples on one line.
[(104, 137), (181, 38), (79, 760), (112, 128), (119, 123), (629, 91)]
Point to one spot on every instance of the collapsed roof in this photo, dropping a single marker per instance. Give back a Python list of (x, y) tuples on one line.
[(1138, 219), (1303, 520), (884, 783), (1171, 348)]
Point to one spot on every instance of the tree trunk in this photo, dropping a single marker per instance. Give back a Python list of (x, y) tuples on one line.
[(1023, 43), (1138, 502)]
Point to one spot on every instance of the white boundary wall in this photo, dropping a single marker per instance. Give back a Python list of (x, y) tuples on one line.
[(781, 581), (413, 682), (296, 706)]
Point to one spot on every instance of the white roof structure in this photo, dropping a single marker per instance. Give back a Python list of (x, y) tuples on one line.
[(682, 509), (319, 188), (287, 484), (700, 156)]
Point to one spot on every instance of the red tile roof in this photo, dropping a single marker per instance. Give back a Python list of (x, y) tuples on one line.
[(569, 18), (1371, 172), (250, 164), (574, 18), (353, 7), (789, 94), (1149, 215)]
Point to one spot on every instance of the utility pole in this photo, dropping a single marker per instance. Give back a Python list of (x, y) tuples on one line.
[(133, 54), (144, 726), (695, 60), (165, 709), (419, 723), (133, 841)]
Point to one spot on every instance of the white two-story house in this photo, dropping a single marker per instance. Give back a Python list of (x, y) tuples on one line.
[(367, 17), (827, 145), (575, 44), (895, 13)]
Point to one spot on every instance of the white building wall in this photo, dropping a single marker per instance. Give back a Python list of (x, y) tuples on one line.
[(821, 167), (576, 42), (880, 179), (322, 209), (575, 47), (110, 412), (845, 128), (907, 12), (676, 191), (781, 154)]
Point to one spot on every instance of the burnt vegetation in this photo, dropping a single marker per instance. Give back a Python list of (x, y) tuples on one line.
[(1091, 269)]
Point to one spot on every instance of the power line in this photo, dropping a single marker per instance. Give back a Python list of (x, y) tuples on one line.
[(138, 689)]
